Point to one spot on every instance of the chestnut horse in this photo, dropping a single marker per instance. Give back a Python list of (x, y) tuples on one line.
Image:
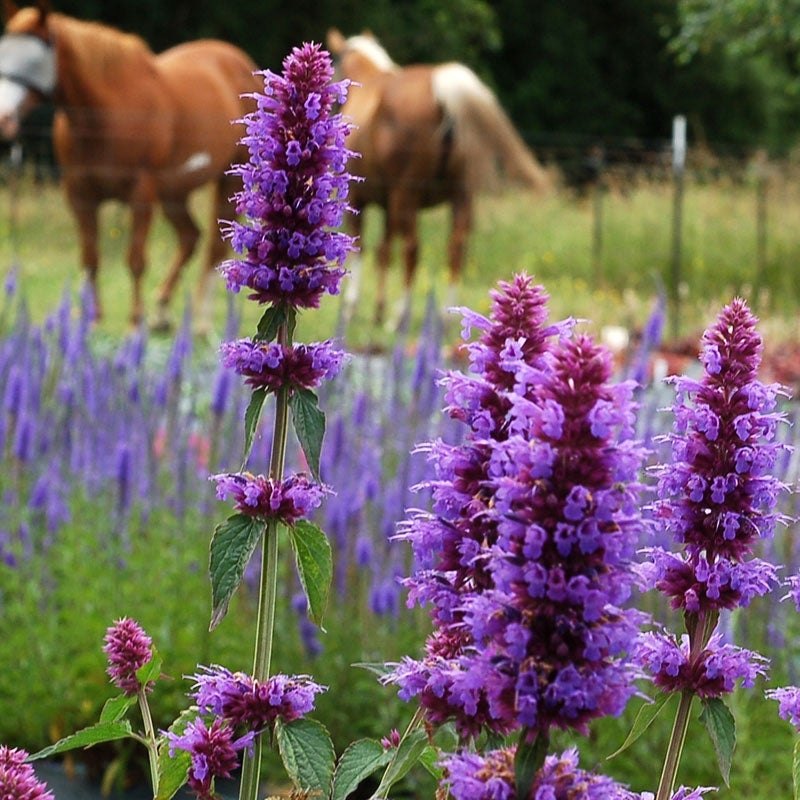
[(426, 134), (130, 126)]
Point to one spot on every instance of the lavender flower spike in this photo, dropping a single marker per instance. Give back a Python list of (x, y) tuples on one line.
[(295, 187), (17, 778), (128, 649)]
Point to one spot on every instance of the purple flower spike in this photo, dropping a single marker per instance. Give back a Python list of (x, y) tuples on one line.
[(717, 496), (295, 187), (18, 781), (243, 700), (128, 649), (269, 365), (287, 500), (213, 750)]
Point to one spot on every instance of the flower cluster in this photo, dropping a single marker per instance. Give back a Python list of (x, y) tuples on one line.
[(270, 366), (214, 752), (128, 649), (526, 560), (490, 776), (17, 778), (244, 701), (717, 498), (294, 187), (287, 500)]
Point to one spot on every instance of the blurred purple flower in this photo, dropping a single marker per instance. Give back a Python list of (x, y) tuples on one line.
[(788, 698), (295, 187), (17, 778)]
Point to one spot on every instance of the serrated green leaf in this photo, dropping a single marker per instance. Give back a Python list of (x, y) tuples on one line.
[(115, 708), (429, 758), (308, 756), (644, 719), (721, 727), (232, 546), (312, 552), (527, 762), (359, 760), (796, 768), (269, 323), (309, 425), (101, 732), (251, 417), (407, 755)]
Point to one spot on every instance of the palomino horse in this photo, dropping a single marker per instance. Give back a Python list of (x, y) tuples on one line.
[(427, 134), (130, 126)]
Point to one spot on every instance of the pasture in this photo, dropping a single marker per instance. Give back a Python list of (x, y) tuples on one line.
[(552, 238)]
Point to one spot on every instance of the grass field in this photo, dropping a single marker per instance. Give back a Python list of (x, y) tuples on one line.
[(555, 240), (603, 261)]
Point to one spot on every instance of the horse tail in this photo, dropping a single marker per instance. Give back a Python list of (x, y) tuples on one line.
[(483, 134)]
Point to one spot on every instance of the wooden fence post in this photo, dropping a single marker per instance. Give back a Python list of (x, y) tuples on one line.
[(678, 168)]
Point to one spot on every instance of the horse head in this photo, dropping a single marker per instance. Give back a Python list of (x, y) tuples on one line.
[(27, 64)]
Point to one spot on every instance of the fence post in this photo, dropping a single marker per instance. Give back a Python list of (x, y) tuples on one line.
[(678, 168)]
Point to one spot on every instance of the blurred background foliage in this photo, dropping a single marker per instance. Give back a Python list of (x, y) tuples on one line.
[(619, 69)]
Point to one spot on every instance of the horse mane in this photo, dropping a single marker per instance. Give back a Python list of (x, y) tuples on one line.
[(97, 47), (370, 48)]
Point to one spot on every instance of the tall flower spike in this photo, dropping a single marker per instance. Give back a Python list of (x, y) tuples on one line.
[(295, 187), (128, 649)]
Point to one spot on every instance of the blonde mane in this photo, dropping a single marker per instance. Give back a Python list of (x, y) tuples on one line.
[(371, 49)]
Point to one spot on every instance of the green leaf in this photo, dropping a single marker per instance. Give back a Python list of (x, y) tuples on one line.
[(408, 754), (644, 719), (307, 754), (232, 546), (269, 323), (151, 671), (796, 768), (528, 761), (115, 708), (251, 416), (721, 727), (312, 552), (100, 732), (309, 425), (173, 771), (378, 668), (359, 760)]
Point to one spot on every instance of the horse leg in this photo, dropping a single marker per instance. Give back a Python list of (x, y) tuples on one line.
[(462, 214), (141, 202), (176, 211), (406, 217), (85, 213), (355, 267), (222, 208), (384, 258)]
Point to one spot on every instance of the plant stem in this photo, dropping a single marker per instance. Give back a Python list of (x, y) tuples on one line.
[(152, 744), (268, 584), (700, 629), (675, 748)]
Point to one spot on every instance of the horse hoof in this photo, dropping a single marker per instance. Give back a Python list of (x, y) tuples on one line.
[(162, 326)]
